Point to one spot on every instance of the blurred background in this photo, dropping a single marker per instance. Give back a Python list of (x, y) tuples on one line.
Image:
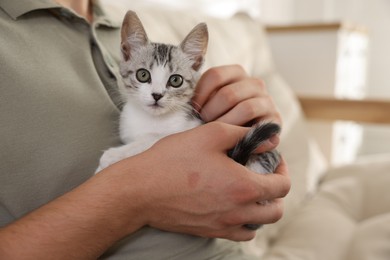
[(340, 48)]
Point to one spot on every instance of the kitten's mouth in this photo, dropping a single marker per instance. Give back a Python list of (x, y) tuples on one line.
[(156, 109), (155, 105)]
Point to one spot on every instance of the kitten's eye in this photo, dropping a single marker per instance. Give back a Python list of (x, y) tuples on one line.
[(143, 75), (175, 81)]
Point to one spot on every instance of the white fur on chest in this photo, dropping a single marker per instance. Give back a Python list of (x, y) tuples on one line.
[(137, 123), (139, 130)]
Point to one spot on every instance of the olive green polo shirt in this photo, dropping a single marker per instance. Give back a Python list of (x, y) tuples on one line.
[(59, 108), (56, 116)]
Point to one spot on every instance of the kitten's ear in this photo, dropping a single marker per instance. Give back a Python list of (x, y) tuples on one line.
[(133, 34), (195, 45)]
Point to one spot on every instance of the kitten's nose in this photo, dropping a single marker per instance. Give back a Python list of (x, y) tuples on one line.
[(157, 96)]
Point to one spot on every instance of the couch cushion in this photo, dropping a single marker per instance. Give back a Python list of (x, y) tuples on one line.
[(347, 219), (371, 239)]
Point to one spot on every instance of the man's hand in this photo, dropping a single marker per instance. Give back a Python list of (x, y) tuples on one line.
[(198, 189), (229, 95)]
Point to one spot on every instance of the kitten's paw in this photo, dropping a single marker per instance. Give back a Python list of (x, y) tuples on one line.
[(116, 154), (110, 157)]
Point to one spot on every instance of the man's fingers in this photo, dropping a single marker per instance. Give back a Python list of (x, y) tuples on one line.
[(257, 213), (234, 229), (251, 109), (260, 187), (272, 186), (269, 144), (213, 79), (229, 96), (230, 134)]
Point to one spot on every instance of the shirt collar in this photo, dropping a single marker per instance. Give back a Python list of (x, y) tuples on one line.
[(103, 15), (16, 9)]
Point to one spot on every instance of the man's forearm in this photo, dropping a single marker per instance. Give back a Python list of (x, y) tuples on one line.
[(81, 224)]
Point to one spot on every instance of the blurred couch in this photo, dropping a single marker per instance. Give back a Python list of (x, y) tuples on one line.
[(331, 213)]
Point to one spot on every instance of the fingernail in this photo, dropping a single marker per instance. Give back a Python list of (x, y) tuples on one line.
[(274, 140)]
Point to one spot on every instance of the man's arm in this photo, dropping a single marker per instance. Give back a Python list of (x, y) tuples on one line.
[(78, 225), (171, 186)]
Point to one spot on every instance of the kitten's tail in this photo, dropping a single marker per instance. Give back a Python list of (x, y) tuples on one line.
[(245, 148), (259, 133)]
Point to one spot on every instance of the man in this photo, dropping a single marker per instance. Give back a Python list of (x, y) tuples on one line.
[(58, 101)]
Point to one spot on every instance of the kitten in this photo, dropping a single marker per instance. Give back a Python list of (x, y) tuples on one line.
[(160, 82)]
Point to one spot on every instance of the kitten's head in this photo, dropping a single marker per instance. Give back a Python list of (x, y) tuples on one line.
[(160, 77)]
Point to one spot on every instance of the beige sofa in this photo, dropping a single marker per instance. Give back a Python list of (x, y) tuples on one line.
[(331, 214)]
